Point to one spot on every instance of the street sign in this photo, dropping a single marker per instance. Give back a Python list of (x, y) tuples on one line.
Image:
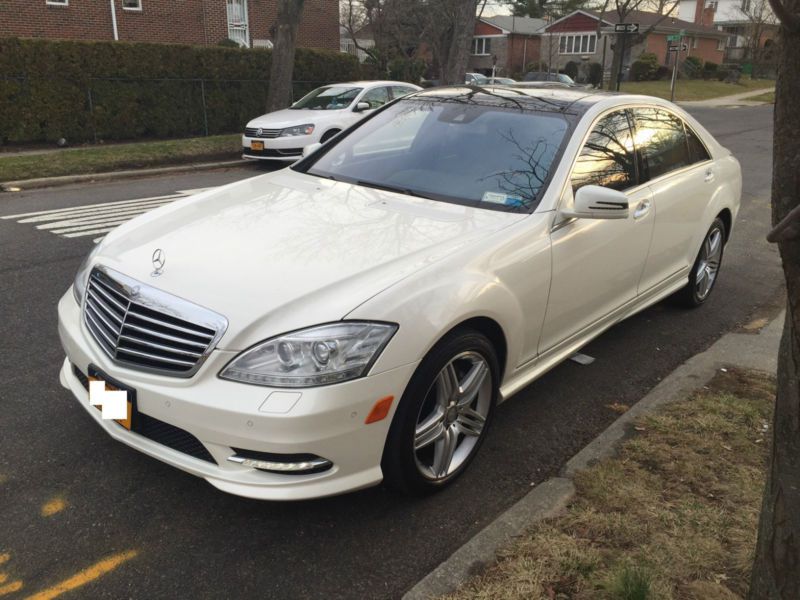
[(683, 47), (626, 28), (674, 38)]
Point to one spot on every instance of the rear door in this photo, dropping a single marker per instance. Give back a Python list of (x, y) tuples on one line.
[(681, 175)]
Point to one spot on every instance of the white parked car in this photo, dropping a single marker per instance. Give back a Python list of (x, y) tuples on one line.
[(317, 117), (358, 316)]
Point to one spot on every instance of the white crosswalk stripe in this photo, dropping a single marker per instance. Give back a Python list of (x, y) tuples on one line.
[(94, 219)]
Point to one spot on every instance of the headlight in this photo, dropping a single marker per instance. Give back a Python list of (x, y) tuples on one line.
[(298, 130), (310, 357), (82, 276)]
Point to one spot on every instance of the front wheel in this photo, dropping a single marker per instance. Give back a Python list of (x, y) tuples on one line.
[(706, 267), (444, 414)]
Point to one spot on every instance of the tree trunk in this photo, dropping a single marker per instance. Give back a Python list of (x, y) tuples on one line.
[(616, 61), (456, 55), (776, 569), (282, 67)]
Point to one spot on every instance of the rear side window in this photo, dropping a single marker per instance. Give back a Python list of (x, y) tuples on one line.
[(607, 157), (661, 138), (697, 150), (400, 91)]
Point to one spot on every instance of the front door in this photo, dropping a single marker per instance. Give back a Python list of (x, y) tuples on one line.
[(597, 263)]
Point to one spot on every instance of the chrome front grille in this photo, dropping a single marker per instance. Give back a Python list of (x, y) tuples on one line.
[(147, 329), (253, 132)]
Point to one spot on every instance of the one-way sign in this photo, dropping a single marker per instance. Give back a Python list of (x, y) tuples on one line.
[(626, 28)]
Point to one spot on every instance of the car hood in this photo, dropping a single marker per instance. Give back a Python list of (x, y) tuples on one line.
[(287, 250), (291, 117)]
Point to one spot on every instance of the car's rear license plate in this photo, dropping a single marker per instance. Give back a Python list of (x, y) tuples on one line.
[(257, 146), (112, 385)]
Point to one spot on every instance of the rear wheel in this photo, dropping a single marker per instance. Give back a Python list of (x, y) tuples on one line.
[(705, 270), (444, 414)]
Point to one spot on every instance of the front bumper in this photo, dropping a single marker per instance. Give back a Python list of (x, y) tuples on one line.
[(223, 415), (283, 148)]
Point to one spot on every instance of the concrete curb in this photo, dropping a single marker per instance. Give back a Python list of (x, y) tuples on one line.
[(743, 350), (43, 182)]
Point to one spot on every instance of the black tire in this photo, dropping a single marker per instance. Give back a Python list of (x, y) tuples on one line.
[(328, 135), (400, 465), (693, 294)]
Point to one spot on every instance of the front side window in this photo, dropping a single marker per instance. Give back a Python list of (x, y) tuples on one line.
[(327, 98), (451, 150), (481, 46), (608, 157), (377, 97), (662, 140)]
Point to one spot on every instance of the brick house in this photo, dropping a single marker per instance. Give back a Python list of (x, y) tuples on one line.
[(200, 22), (512, 41), (574, 38)]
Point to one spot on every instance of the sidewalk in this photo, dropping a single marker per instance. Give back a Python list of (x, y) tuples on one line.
[(732, 100), (745, 351)]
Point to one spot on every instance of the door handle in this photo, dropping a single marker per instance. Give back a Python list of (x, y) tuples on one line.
[(642, 209), (709, 175)]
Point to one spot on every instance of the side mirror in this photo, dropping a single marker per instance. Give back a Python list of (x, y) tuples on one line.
[(362, 106), (596, 202), (311, 148)]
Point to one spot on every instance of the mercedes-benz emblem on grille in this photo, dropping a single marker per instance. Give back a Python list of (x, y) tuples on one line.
[(259, 132), (159, 260)]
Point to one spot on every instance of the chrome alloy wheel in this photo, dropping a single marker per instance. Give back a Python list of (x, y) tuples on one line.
[(452, 417), (708, 263)]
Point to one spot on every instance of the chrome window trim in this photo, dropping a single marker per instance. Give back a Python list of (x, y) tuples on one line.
[(556, 224), (162, 302)]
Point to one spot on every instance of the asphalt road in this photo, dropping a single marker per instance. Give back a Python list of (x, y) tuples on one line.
[(168, 534)]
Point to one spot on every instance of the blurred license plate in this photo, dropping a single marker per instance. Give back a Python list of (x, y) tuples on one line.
[(114, 386), (257, 146)]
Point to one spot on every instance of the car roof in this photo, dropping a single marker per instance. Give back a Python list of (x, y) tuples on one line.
[(569, 100), (370, 83)]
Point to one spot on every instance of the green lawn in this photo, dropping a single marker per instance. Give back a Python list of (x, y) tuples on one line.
[(768, 97), (695, 89), (99, 159)]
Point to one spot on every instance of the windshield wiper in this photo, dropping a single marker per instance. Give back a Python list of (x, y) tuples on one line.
[(391, 188)]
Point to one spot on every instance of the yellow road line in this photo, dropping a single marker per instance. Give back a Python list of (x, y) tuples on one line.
[(83, 577), (56, 505), (14, 586), (4, 556)]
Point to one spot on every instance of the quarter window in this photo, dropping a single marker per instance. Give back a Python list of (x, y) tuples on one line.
[(608, 157), (661, 138), (697, 150), (481, 45)]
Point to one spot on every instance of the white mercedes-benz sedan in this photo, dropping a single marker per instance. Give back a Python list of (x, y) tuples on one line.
[(358, 316), (317, 117)]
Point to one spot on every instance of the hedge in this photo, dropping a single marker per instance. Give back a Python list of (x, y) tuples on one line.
[(88, 91)]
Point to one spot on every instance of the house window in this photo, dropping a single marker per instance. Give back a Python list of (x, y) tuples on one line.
[(577, 44), (238, 28), (694, 42), (132, 4), (481, 46), (57, 2), (721, 43)]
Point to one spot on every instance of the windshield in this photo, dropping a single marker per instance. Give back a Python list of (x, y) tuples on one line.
[(327, 98), (451, 150)]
